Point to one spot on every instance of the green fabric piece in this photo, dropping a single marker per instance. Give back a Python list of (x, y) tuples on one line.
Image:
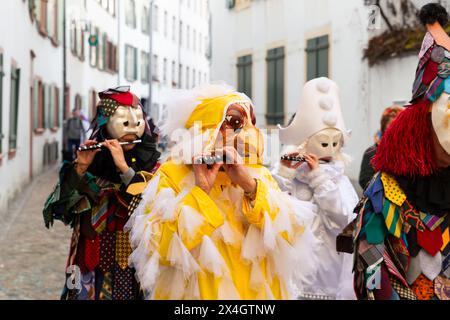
[(72, 195), (375, 229), (436, 94)]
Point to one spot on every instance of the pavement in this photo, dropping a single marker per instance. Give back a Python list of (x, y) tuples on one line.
[(32, 257)]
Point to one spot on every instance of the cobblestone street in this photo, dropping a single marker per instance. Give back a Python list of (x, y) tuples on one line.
[(32, 258)]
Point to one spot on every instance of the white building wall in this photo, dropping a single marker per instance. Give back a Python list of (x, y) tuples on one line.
[(83, 78), (18, 37), (267, 24), (193, 13)]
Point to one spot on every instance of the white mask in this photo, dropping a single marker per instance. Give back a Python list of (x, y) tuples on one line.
[(126, 121), (441, 120), (326, 143)]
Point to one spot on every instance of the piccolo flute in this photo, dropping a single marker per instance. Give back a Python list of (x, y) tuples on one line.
[(290, 158), (101, 144)]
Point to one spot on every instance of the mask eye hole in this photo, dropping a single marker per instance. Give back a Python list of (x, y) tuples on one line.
[(335, 144), (138, 123), (126, 123), (324, 145)]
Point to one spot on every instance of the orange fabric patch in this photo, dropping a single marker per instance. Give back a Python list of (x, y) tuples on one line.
[(423, 288)]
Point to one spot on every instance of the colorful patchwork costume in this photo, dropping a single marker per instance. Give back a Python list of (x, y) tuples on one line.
[(97, 204), (401, 233)]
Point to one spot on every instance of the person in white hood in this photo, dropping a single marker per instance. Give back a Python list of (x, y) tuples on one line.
[(315, 137)]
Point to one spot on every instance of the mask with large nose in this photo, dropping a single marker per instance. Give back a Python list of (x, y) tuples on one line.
[(440, 117), (126, 124)]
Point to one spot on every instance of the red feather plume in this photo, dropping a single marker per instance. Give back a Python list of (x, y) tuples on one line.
[(406, 148)]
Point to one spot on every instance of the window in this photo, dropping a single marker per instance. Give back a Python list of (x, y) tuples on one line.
[(38, 105), (94, 50), (34, 105), (32, 12), (53, 21), (73, 37), (155, 74), (130, 14), (41, 12), (130, 63), (188, 30), (165, 71), (317, 51), (111, 7), (174, 66), (155, 14), (199, 77), (187, 78), (66, 105), (52, 102), (14, 106), (194, 73), (48, 106), (145, 76), (275, 86), (145, 21), (166, 17), (180, 75), (194, 39), (93, 103), (174, 29), (110, 57), (244, 66), (102, 51), (2, 74), (180, 34)]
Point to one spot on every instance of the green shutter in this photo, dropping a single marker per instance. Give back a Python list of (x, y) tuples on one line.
[(244, 66), (317, 57), (35, 104), (14, 107), (275, 86)]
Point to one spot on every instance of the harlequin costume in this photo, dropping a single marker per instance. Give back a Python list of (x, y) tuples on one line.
[(402, 229), (318, 128), (188, 244), (97, 205)]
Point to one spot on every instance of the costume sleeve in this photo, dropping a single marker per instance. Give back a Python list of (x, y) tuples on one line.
[(280, 229), (284, 176), (367, 172), (168, 224), (72, 195), (328, 199)]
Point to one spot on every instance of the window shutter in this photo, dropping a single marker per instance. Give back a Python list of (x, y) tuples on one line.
[(36, 104), (275, 86)]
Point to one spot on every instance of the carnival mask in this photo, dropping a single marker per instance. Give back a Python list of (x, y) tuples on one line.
[(325, 144), (127, 123), (238, 130), (441, 120)]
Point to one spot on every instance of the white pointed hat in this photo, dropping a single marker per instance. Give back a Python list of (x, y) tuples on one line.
[(319, 109)]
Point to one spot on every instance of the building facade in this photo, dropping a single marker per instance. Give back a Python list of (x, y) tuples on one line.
[(180, 47), (30, 92), (107, 45), (270, 48)]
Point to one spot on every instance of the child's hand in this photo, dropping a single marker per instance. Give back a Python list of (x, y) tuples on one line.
[(312, 160)]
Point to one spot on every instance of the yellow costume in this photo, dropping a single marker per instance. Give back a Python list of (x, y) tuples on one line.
[(191, 245)]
